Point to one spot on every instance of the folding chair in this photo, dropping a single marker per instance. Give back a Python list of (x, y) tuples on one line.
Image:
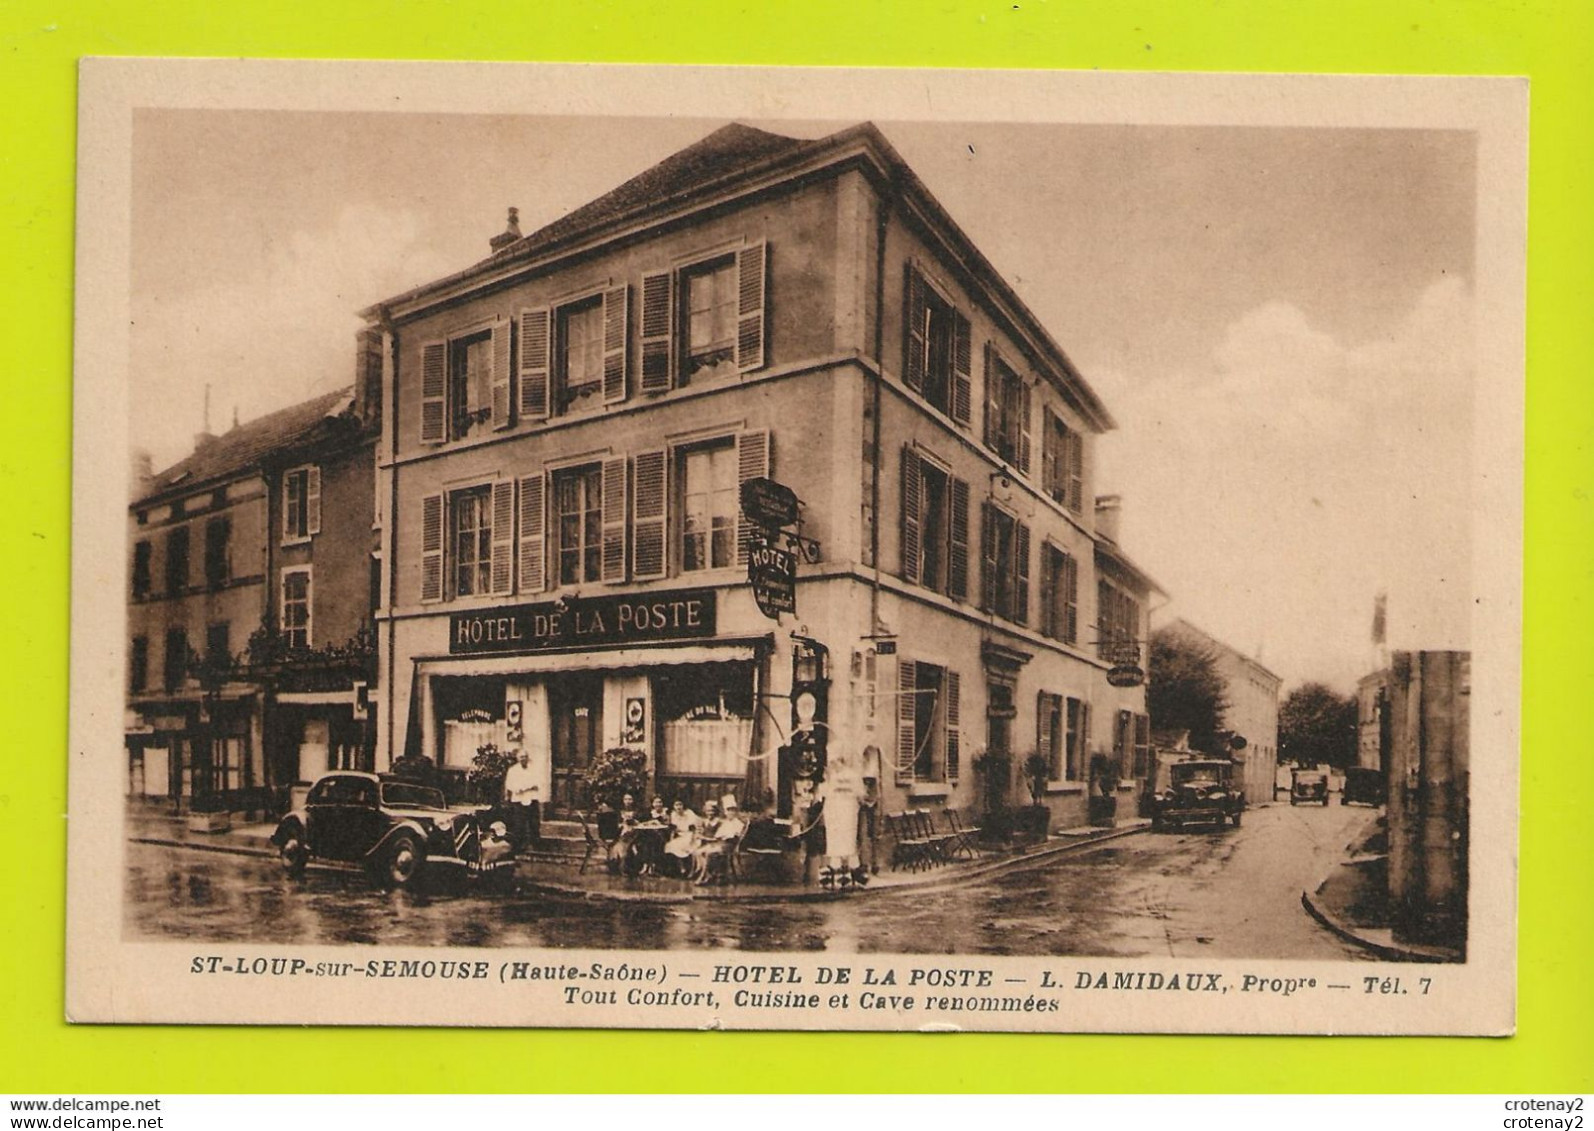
[(907, 848), (940, 843), (963, 836)]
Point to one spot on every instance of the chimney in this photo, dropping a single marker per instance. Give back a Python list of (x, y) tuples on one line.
[(143, 473), (1108, 510), (509, 235), (205, 437), (368, 376)]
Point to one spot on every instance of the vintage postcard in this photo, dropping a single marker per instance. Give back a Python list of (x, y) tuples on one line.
[(812, 549)]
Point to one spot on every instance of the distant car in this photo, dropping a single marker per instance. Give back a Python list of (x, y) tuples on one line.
[(395, 829), (1200, 791), (1307, 786), (1362, 786)]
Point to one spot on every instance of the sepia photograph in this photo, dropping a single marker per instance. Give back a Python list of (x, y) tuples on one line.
[(747, 560)]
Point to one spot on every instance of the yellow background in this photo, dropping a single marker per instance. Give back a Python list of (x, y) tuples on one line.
[(1548, 41)]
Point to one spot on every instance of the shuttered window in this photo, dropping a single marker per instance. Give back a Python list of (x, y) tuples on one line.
[(1004, 582), (470, 385), (578, 524), (706, 321), (1059, 594), (578, 379), (1062, 462), (1142, 763), (1007, 411), (295, 610), (470, 520), (709, 506), (650, 515), (138, 664), (301, 503), (1051, 734), (935, 526), (1117, 625), (1078, 740), (141, 569), (938, 347), (929, 723)]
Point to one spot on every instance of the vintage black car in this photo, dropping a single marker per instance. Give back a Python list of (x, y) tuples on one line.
[(1200, 791), (1307, 786), (395, 829)]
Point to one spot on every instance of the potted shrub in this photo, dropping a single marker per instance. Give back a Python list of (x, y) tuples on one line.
[(486, 774), (1103, 801), (1035, 819), (616, 772)]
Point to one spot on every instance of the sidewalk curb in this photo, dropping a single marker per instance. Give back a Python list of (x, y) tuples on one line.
[(931, 881), (1389, 952)]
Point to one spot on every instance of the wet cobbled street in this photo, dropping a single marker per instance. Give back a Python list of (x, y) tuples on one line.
[(1231, 894)]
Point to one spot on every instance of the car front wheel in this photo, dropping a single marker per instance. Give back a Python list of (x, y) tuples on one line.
[(1237, 818), (293, 853), (402, 861)]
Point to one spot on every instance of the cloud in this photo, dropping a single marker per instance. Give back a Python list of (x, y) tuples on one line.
[(281, 328), (1276, 489)]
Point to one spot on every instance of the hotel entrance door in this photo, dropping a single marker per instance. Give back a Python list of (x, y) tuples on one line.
[(575, 727)]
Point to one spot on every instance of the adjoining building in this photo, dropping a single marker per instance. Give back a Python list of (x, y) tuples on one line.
[(1253, 711), (251, 650), (567, 428), (1373, 720)]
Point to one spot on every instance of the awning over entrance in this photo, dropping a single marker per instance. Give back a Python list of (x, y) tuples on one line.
[(744, 648)]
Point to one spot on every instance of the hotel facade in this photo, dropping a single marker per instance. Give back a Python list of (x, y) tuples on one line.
[(567, 428)]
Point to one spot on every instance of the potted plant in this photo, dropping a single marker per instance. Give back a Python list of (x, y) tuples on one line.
[(486, 774), (1035, 819), (616, 772), (995, 772), (1103, 803)]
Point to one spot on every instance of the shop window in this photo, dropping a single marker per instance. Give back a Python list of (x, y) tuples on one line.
[(471, 540), (218, 552), (709, 507), (1007, 409), (1005, 577), (706, 718), (301, 504), (176, 658), (141, 569), (296, 607), (177, 560), (471, 714), (935, 526), (1062, 462), (937, 350), (1059, 596), (138, 664), (578, 374)]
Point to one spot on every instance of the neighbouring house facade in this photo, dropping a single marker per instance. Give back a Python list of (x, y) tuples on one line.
[(1253, 711), (249, 601), (567, 426), (1373, 720)]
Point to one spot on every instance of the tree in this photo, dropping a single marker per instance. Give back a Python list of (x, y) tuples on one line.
[(1317, 726), (1184, 690)]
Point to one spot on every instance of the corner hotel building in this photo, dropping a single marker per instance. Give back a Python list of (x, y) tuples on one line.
[(566, 425)]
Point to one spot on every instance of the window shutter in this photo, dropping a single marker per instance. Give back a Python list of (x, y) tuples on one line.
[(1023, 428), (502, 580), (434, 392), (990, 397), (532, 560), (650, 524), (1142, 745), (1120, 742), (535, 346), (1051, 458), (432, 548), (616, 324), (962, 365), (1076, 471), (1051, 567), (907, 749), (1084, 737), (913, 324), (1044, 708), (1021, 569), (288, 532), (312, 500), (752, 462), (658, 356), (752, 271), (1070, 584), (911, 502), (501, 376), (957, 566), (954, 745), (614, 514), (987, 558)]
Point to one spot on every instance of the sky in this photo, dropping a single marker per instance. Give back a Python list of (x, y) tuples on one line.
[(1279, 320)]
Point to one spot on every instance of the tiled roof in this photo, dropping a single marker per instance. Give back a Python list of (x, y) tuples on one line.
[(247, 446), (727, 150)]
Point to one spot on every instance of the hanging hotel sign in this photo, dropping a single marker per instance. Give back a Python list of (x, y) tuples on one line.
[(584, 622), (773, 574), (1125, 675), (768, 503)]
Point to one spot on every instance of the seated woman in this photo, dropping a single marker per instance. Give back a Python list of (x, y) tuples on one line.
[(621, 851), (683, 838), (711, 859)]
